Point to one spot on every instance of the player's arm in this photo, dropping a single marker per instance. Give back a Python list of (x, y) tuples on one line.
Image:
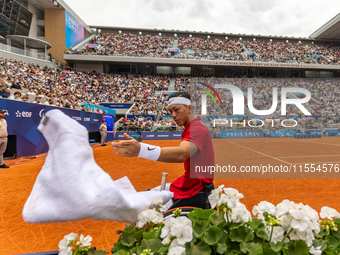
[(176, 154)]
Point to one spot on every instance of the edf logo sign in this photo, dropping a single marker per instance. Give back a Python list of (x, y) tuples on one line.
[(238, 100), (23, 114)]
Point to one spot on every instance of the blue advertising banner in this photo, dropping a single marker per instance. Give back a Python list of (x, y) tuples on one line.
[(23, 119), (97, 109), (116, 105), (130, 117), (282, 133), (110, 122), (74, 31), (166, 117), (152, 135), (332, 132), (241, 134)]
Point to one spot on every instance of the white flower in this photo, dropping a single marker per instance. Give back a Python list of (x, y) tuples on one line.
[(64, 248), (300, 221), (167, 227), (285, 221), (232, 197), (85, 241), (166, 241), (182, 229), (262, 207), (158, 201), (239, 214), (283, 207), (306, 236), (150, 215), (215, 195), (177, 250), (278, 234), (329, 213), (316, 250)]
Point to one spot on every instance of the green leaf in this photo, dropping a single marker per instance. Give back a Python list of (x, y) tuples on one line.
[(241, 234), (199, 249), (99, 252), (136, 233), (279, 246), (221, 248), (332, 242), (152, 234), (128, 241), (217, 218), (261, 233), (213, 235), (320, 242), (200, 214), (255, 249), (120, 252), (256, 224), (268, 251), (336, 234), (297, 248), (236, 225), (163, 249), (152, 244), (200, 227), (323, 232), (252, 248)]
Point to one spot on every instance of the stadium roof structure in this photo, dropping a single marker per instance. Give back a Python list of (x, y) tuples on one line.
[(329, 31)]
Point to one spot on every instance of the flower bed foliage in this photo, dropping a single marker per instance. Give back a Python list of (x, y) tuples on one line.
[(287, 228)]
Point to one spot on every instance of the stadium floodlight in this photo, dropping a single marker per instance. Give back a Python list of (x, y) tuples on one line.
[(160, 34), (240, 38), (226, 37), (287, 41), (190, 36), (140, 33), (175, 35), (254, 39), (271, 40), (208, 36)]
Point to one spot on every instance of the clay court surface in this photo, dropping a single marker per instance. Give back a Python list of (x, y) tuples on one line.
[(18, 237)]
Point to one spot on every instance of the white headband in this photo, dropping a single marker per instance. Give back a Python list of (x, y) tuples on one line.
[(179, 100)]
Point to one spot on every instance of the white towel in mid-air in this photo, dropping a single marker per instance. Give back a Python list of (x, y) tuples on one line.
[(71, 186)]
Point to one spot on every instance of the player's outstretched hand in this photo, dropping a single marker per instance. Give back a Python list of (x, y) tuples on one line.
[(128, 148)]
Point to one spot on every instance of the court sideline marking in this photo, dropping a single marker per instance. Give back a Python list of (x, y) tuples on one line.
[(261, 153), (310, 156)]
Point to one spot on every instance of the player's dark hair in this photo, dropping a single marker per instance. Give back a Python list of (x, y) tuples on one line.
[(180, 94)]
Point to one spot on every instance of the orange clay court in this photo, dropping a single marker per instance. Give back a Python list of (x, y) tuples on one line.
[(18, 237)]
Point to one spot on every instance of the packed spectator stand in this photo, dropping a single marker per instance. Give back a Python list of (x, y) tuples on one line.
[(138, 45)]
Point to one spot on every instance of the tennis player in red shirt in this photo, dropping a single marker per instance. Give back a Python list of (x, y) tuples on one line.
[(195, 150)]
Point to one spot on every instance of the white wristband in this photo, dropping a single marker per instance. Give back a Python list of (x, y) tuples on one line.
[(148, 151)]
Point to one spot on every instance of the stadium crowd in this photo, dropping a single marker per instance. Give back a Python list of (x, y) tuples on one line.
[(71, 89), (138, 45), (112, 44)]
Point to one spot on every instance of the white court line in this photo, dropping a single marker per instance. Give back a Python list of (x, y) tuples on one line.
[(261, 153), (321, 143), (318, 156)]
